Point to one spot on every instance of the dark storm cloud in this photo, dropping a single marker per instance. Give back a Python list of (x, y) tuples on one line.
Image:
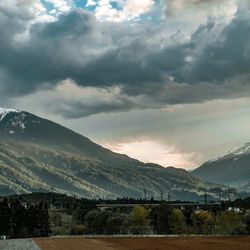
[(94, 54), (76, 108), (63, 49), (224, 58)]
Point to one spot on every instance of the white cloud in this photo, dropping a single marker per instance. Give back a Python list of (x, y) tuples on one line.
[(138, 7), (128, 10), (24, 7), (91, 3), (200, 11), (61, 6)]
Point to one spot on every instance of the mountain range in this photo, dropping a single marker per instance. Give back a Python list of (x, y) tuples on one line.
[(232, 169), (38, 155)]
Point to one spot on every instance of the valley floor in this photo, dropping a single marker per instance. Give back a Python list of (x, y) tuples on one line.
[(179, 243), (80, 243)]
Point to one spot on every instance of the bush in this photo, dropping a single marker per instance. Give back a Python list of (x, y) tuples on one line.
[(77, 230), (60, 231)]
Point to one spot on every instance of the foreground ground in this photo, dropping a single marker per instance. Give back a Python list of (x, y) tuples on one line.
[(21, 244), (229, 243)]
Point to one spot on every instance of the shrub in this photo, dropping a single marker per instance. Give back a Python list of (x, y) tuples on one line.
[(60, 231), (77, 230)]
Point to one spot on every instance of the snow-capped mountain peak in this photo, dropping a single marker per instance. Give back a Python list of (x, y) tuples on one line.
[(238, 151), (4, 112), (245, 149)]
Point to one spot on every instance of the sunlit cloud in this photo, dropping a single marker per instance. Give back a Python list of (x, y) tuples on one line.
[(123, 10), (149, 151)]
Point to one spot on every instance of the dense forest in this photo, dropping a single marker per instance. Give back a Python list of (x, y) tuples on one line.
[(48, 214), (19, 219)]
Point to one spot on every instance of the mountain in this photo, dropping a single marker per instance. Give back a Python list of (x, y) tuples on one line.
[(232, 169), (38, 155)]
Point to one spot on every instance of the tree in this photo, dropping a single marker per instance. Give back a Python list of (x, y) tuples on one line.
[(203, 222), (90, 221), (19, 220), (139, 219), (247, 221), (102, 222), (228, 222), (176, 221), (160, 217), (44, 219), (79, 214), (118, 224), (56, 219), (5, 218)]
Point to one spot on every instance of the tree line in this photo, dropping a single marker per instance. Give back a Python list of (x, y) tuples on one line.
[(19, 220), (158, 220), (70, 216)]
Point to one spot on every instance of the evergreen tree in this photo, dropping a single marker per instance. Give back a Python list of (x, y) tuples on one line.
[(5, 218)]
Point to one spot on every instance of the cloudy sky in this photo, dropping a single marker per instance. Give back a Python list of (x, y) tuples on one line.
[(165, 81)]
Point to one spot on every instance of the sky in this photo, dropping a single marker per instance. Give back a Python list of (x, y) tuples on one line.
[(164, 81)]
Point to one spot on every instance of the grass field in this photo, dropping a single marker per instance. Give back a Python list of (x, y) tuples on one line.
[(220, 243)]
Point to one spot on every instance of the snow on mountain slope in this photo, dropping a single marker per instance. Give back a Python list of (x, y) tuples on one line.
[(245, 149), (232, 169), (234, 153), (12, 121), (4, 112)]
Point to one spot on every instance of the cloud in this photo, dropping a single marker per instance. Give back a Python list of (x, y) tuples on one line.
[(61, 6), (176, 6), (91, 3), (72, 101), (138, 65), (123, 10), (193, 12), (154, 151)]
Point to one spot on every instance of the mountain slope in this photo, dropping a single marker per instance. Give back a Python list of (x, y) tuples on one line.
[(231, 169), (39, 155)]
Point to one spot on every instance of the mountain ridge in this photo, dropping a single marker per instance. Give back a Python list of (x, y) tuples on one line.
[(231, 169), (37, 154)]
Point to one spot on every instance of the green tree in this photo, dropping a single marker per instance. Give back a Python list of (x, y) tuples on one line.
[(5, 218), (139, 219), (56, 219), (176, 221), (91, 221), (102, 222), (160, 219), (228, 223), (203, 222), (118, 224), (247, 221)]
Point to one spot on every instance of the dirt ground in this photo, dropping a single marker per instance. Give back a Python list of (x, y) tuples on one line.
[(228, 243)]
